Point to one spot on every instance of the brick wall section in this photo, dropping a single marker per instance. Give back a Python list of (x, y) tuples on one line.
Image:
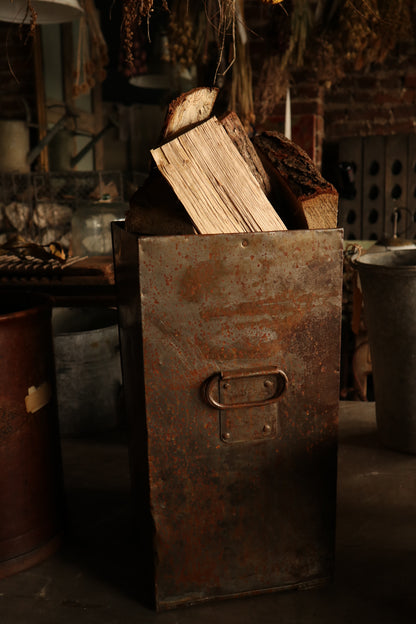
[(381, 101), (17, 78), (307, 106)]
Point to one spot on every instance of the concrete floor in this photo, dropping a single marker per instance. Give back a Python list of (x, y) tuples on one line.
[(94, 577)]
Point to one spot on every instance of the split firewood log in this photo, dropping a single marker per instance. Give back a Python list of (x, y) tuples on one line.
[(214, 183), (241, 140), (187, 110), (154, 207), (305, 199), (155, 210)]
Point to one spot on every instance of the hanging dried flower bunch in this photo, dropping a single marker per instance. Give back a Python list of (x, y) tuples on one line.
[(182, 43), (361, 32), (272, 73), (224, 22), (30, 9), (372, 28), (91, 52), (326, 37), (241, 91), (134, 12), (270, 87), (220, 20), (332, 37)]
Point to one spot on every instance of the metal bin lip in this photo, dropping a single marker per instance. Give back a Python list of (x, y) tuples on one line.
[(389, 261)]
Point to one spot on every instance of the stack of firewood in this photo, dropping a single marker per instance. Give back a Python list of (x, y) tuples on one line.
[(209, 177)]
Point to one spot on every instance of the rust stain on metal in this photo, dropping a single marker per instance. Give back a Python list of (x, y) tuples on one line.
[(209, 304)]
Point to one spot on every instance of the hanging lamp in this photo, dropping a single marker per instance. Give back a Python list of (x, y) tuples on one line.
[(47, 11)]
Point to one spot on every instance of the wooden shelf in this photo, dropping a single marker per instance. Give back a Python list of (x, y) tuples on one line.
[(89, 281)]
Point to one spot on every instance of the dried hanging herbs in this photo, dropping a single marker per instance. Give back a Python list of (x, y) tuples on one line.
[(329, 38), (181, 36), (372, 28), (271, 71), (91, 52), (134, 12), (241, 89), (300, 29), (270, 87), (326, 38), (358, 34)]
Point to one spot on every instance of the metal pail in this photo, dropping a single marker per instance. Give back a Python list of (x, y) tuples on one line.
[(88, 369), (389, 291), (31, 486)]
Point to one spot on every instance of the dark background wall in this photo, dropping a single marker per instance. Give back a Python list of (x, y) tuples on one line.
[(360, 129)]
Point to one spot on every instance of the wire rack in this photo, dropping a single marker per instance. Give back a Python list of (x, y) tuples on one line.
[(66, 187), (39, 206)]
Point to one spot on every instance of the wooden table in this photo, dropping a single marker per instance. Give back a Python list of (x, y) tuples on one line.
[(87, 281)]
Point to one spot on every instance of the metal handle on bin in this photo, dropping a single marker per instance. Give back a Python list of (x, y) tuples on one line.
[(225, 377)]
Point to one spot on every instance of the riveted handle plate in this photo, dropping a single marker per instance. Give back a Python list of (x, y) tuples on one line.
[(243, 389), (247, 402)]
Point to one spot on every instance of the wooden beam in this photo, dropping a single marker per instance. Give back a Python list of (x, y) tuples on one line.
[(67, 62), (40, 97), (97, 108)]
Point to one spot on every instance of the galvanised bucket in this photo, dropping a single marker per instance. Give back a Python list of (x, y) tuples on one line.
[(389, 291)]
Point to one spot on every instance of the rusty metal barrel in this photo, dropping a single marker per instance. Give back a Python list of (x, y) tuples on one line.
[(31, 485), (389, 291)]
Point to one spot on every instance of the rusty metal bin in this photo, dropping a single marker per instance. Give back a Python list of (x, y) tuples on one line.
[(31, 489), (230, 354)]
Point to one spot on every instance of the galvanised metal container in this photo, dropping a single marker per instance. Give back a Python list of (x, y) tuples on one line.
[(230, 352), (389, 291), (88, 374), (31, 490)]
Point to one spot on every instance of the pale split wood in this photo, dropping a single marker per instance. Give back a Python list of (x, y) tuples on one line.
[(188, 109), (321, 211), (214, 183)]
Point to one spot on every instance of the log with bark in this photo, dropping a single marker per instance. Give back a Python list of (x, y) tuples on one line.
[(210, 177), (237, 133), (305, 198)]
